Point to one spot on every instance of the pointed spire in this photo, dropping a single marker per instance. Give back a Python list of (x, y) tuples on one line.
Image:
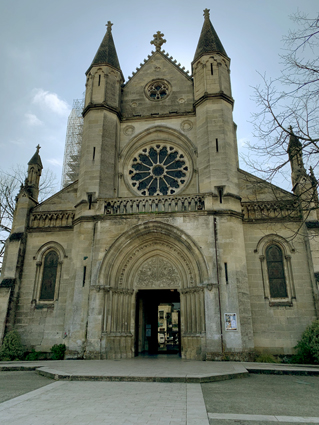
[(36, 160), (106, 53), (209, 41), (294, 142)]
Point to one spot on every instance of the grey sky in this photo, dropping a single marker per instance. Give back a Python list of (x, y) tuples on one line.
[(46, 47)]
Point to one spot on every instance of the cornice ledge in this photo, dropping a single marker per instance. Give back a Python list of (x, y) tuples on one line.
[(101, 106), (220, 95)]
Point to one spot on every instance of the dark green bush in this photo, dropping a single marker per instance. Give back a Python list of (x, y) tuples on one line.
[(307, 349), (11, 348), (58, 351), (35, 355)]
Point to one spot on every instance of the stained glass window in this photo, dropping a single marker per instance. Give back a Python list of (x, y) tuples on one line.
[(276, 274), (158, 170), (49, 276)]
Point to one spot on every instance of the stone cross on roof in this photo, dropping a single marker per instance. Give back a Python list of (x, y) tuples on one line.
[(206, 13), (38, 148), (158, 40), (109, 26)]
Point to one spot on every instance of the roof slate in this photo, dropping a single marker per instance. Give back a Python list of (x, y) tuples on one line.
[(209, 41), (106, 53), (36, 160)]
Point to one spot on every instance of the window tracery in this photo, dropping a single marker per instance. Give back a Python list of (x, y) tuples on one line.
[(157, 90), (159, 169)]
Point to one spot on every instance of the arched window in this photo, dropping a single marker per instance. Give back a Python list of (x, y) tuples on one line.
[(49, 259), (276, 273), (275, 255), (49, 276)]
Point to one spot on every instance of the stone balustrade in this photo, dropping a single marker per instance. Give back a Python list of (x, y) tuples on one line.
[(156, 204), (52, 219), (271, 210)]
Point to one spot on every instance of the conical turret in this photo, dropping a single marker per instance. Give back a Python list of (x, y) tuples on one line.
[(103, 107), (209, 41), (34, 172), (106, 54), (104, 76), (217, 150)]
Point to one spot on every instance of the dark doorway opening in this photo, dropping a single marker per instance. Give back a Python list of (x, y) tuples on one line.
[(158, 322)]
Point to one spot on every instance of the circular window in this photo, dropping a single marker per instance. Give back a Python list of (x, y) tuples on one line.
[(158, 170), (157, 90)]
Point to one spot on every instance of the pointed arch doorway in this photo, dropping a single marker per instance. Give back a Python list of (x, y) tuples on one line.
[(150, 268), (158, 322)]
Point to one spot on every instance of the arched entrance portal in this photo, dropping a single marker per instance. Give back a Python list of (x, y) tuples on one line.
[(143, 266)]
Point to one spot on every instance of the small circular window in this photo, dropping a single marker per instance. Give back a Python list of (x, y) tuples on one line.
[(157, 90), (159, 170)]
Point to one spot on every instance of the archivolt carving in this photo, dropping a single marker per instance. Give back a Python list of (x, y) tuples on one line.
[(161, 246), (157, 273), (139, 244)]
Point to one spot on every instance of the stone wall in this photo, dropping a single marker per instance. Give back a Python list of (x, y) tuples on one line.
[(278, 326)]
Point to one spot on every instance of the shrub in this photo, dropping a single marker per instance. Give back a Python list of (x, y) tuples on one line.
[(11, 348), (266, 358), (36, 355), (307, 349), (58, 351)]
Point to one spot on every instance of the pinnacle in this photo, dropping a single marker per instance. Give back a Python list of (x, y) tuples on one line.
[(209, 41), (36, 158), (294, 142)]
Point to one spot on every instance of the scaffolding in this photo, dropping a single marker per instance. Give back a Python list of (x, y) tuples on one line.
[(73, 141)]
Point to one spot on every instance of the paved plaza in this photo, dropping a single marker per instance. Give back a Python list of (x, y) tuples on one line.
[(31, 399)]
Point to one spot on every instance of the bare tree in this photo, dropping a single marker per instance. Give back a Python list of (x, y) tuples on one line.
[(9, 187), (289, 103)]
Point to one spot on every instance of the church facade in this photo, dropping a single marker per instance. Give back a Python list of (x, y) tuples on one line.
[(162, 244)]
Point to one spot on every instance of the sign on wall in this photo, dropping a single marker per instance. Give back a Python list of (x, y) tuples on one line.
[(230, 321)]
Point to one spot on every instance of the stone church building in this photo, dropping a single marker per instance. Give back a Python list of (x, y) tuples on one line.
[(162, 244)]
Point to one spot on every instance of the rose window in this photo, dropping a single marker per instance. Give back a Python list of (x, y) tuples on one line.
[(157, 90), (158, 170)]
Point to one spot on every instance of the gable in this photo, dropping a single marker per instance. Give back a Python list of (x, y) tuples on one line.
[(180, 99), (65, 199), (253, 189)]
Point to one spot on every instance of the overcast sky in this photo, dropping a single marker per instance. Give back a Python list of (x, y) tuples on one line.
[(46, 47)]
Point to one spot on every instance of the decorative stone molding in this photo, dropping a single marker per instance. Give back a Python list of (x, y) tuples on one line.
[(167, 56), (52, 219), (156, 204), (151, 246), (186, 125), (157, 90), (157, 272), (129, 130), (271, 210), (122, 291), (193, 290), (127, 254)]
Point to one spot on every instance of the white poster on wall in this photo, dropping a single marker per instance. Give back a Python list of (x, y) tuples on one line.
[(230, 321)]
